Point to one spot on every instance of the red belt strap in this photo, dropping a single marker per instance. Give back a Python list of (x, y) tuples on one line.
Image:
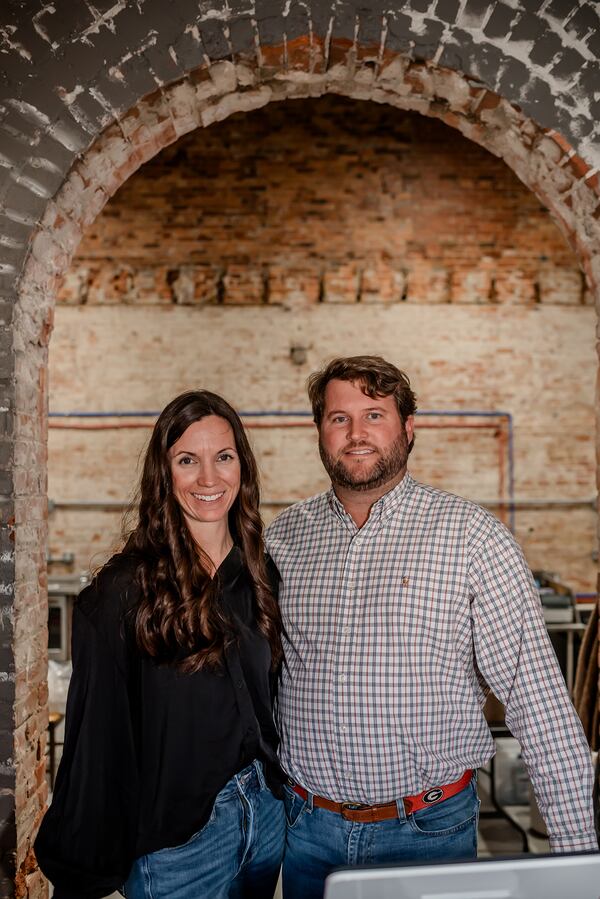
[(366, 814)]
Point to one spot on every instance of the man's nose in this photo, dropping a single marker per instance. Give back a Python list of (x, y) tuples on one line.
[(356, 429)]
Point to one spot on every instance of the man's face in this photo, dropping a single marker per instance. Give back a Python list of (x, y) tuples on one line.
[(362, 440)]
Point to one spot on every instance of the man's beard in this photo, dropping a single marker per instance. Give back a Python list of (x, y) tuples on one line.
[(387, 467)]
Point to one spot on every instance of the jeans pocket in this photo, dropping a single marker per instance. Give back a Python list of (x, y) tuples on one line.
[(294, 806), (193, 837), (448, 817)]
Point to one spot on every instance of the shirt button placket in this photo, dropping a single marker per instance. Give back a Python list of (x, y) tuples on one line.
[(346, 628)]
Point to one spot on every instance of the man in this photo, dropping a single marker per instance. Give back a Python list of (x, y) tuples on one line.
[(402, 605)]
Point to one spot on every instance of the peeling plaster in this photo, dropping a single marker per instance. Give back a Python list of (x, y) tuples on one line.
[(473, 20), (62, 133), (104, 103), (80, 116), (35, 21), (107, 18), (5, 34), (568, 39), (207, 12), (69, 97), (150, 41), (12, 244), (29, 112), (20, 218), (28, 140), (517, 51), (40, 190), (195, 33), (39, 162), (116, 73)]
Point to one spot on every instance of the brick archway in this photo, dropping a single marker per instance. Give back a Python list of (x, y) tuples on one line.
[(279, 58)]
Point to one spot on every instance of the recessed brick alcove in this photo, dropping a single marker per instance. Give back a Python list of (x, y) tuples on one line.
[(122, 82)]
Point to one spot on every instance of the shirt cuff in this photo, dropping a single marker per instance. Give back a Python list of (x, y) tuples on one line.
[(574, 842)]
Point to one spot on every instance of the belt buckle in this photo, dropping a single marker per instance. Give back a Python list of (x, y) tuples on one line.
[(353, 807)]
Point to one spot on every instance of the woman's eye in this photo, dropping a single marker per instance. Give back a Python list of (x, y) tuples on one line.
[(186, 460), (224, 457)]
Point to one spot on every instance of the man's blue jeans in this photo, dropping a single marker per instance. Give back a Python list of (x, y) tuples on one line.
[(319, 841), (236, 855)]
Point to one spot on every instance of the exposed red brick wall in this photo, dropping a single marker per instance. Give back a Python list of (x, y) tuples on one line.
[(332, 199), (311, 203)]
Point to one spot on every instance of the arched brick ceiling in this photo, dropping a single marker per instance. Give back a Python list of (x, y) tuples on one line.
[(71, 68)]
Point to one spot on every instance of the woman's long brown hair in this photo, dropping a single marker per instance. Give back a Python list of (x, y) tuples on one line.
[(179, 619)]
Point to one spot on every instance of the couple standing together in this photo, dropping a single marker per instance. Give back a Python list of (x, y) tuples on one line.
[(379, 616)]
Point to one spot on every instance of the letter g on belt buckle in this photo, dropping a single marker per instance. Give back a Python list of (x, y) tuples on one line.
[(432, 796)]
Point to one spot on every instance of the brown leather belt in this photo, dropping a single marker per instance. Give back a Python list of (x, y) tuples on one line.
[(366, 814)]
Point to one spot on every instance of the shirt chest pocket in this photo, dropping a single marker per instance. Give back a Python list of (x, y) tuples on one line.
[(412, 612), (423, 627)]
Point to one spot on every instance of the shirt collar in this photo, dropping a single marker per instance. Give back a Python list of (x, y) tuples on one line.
[(385, 505)]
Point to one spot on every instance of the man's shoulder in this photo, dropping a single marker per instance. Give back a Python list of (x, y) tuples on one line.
[(435, 496), (452, 506), (304, 511)]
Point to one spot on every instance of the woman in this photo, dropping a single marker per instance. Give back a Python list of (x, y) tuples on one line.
[(170, 748)]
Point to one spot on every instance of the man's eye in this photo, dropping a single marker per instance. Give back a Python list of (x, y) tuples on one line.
[(339, 419), (374, 415)]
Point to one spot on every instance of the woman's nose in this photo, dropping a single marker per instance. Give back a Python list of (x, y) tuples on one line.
[(206, 474)]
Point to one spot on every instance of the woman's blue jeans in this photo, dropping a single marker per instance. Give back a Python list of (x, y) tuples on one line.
[(319, 841), (236, 855)]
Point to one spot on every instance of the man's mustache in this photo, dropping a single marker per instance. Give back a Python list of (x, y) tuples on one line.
[(358, 445)]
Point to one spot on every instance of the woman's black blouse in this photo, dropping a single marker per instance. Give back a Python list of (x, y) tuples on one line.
[(148, 748)]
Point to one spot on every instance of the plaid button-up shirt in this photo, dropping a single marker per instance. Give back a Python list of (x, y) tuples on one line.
[(396, 631)]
